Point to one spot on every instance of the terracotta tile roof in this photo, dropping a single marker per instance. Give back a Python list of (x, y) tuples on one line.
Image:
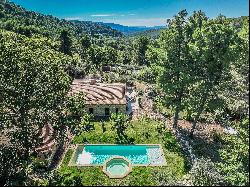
[(101, 94), (46, 133)]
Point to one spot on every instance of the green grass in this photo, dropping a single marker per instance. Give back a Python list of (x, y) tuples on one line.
[(144, 131)]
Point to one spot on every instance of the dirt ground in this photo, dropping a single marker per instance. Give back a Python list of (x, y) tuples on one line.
[(204, 142)]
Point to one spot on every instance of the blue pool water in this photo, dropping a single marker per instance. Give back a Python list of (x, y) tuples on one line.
[(137, 154)]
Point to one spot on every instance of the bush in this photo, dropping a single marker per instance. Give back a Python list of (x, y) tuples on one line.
[(39, 164), (146, 75), (234, 155), (205, 173)]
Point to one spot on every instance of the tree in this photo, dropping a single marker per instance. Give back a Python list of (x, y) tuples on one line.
[(110, 56), (120, 124), (65, 42), (10, 165), (175, 78), (141, 47), (85, 42), (236, 94), (211, 49), (33, 89)]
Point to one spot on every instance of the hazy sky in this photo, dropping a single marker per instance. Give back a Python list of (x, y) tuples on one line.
[(133, 12)]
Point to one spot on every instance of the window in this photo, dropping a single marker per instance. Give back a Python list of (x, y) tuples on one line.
[(91, 111), (116, 110), (107, 112)]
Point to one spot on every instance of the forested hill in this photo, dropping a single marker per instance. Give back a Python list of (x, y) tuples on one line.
[(132, 30), (154, 33), (15, 18), (237, 23)]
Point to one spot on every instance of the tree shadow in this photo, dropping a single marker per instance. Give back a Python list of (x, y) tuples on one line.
[(202, 146), (89, 128), (123, 138), (104, 129)]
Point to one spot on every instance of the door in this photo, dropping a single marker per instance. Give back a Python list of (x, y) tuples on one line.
[(107, 112)]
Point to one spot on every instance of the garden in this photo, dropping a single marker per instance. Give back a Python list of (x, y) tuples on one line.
[(141, 131)]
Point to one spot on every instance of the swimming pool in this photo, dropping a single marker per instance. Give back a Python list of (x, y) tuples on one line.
[(139, 155)]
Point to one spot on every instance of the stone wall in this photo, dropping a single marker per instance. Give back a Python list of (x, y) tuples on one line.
[(99, 110)]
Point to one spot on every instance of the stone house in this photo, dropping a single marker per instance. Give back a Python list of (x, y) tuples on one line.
[(101, 99)]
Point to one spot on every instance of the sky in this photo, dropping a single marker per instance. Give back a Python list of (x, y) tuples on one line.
[(133, 12)]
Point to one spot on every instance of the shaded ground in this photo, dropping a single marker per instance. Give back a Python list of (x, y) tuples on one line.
[(206, 141)]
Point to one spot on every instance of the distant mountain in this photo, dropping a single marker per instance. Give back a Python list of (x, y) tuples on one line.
[(17, 19), (130, 30)]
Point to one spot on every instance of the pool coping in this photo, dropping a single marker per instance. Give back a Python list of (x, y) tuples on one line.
[(100, 165), (117, 176)]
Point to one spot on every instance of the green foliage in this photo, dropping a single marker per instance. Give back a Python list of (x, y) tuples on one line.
[(205, 173), (86, 42), (10, 164), (66, 42), (34, 87), (175, 78), (199, 56), (138, 131), (212, 51), (17, 19), (236, 93), (150, 74), (235, 155), (201, 65), (119, 121), (39, 164), (40, 182), (141, 46), (120, 124), (72, 116), (154, 33)]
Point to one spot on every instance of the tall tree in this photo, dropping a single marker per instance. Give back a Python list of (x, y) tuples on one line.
[(66, 42), (175, 79), (211, 48)]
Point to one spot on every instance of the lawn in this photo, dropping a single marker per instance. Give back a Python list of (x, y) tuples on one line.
[(143, 131)]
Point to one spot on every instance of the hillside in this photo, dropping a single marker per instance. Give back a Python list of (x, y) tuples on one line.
[(131, 30), (180, 92), (148, 33), (17, 19)]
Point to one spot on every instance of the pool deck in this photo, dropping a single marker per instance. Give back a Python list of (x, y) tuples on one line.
[(74, 156)]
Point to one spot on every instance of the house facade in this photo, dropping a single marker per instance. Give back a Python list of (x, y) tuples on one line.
[(101, 99)]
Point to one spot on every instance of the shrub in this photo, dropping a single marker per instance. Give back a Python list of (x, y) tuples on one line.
[(39, 163), (234, 155), (205, 173)]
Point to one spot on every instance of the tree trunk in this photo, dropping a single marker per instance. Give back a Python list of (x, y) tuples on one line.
[(177, 111), (200, 110)]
